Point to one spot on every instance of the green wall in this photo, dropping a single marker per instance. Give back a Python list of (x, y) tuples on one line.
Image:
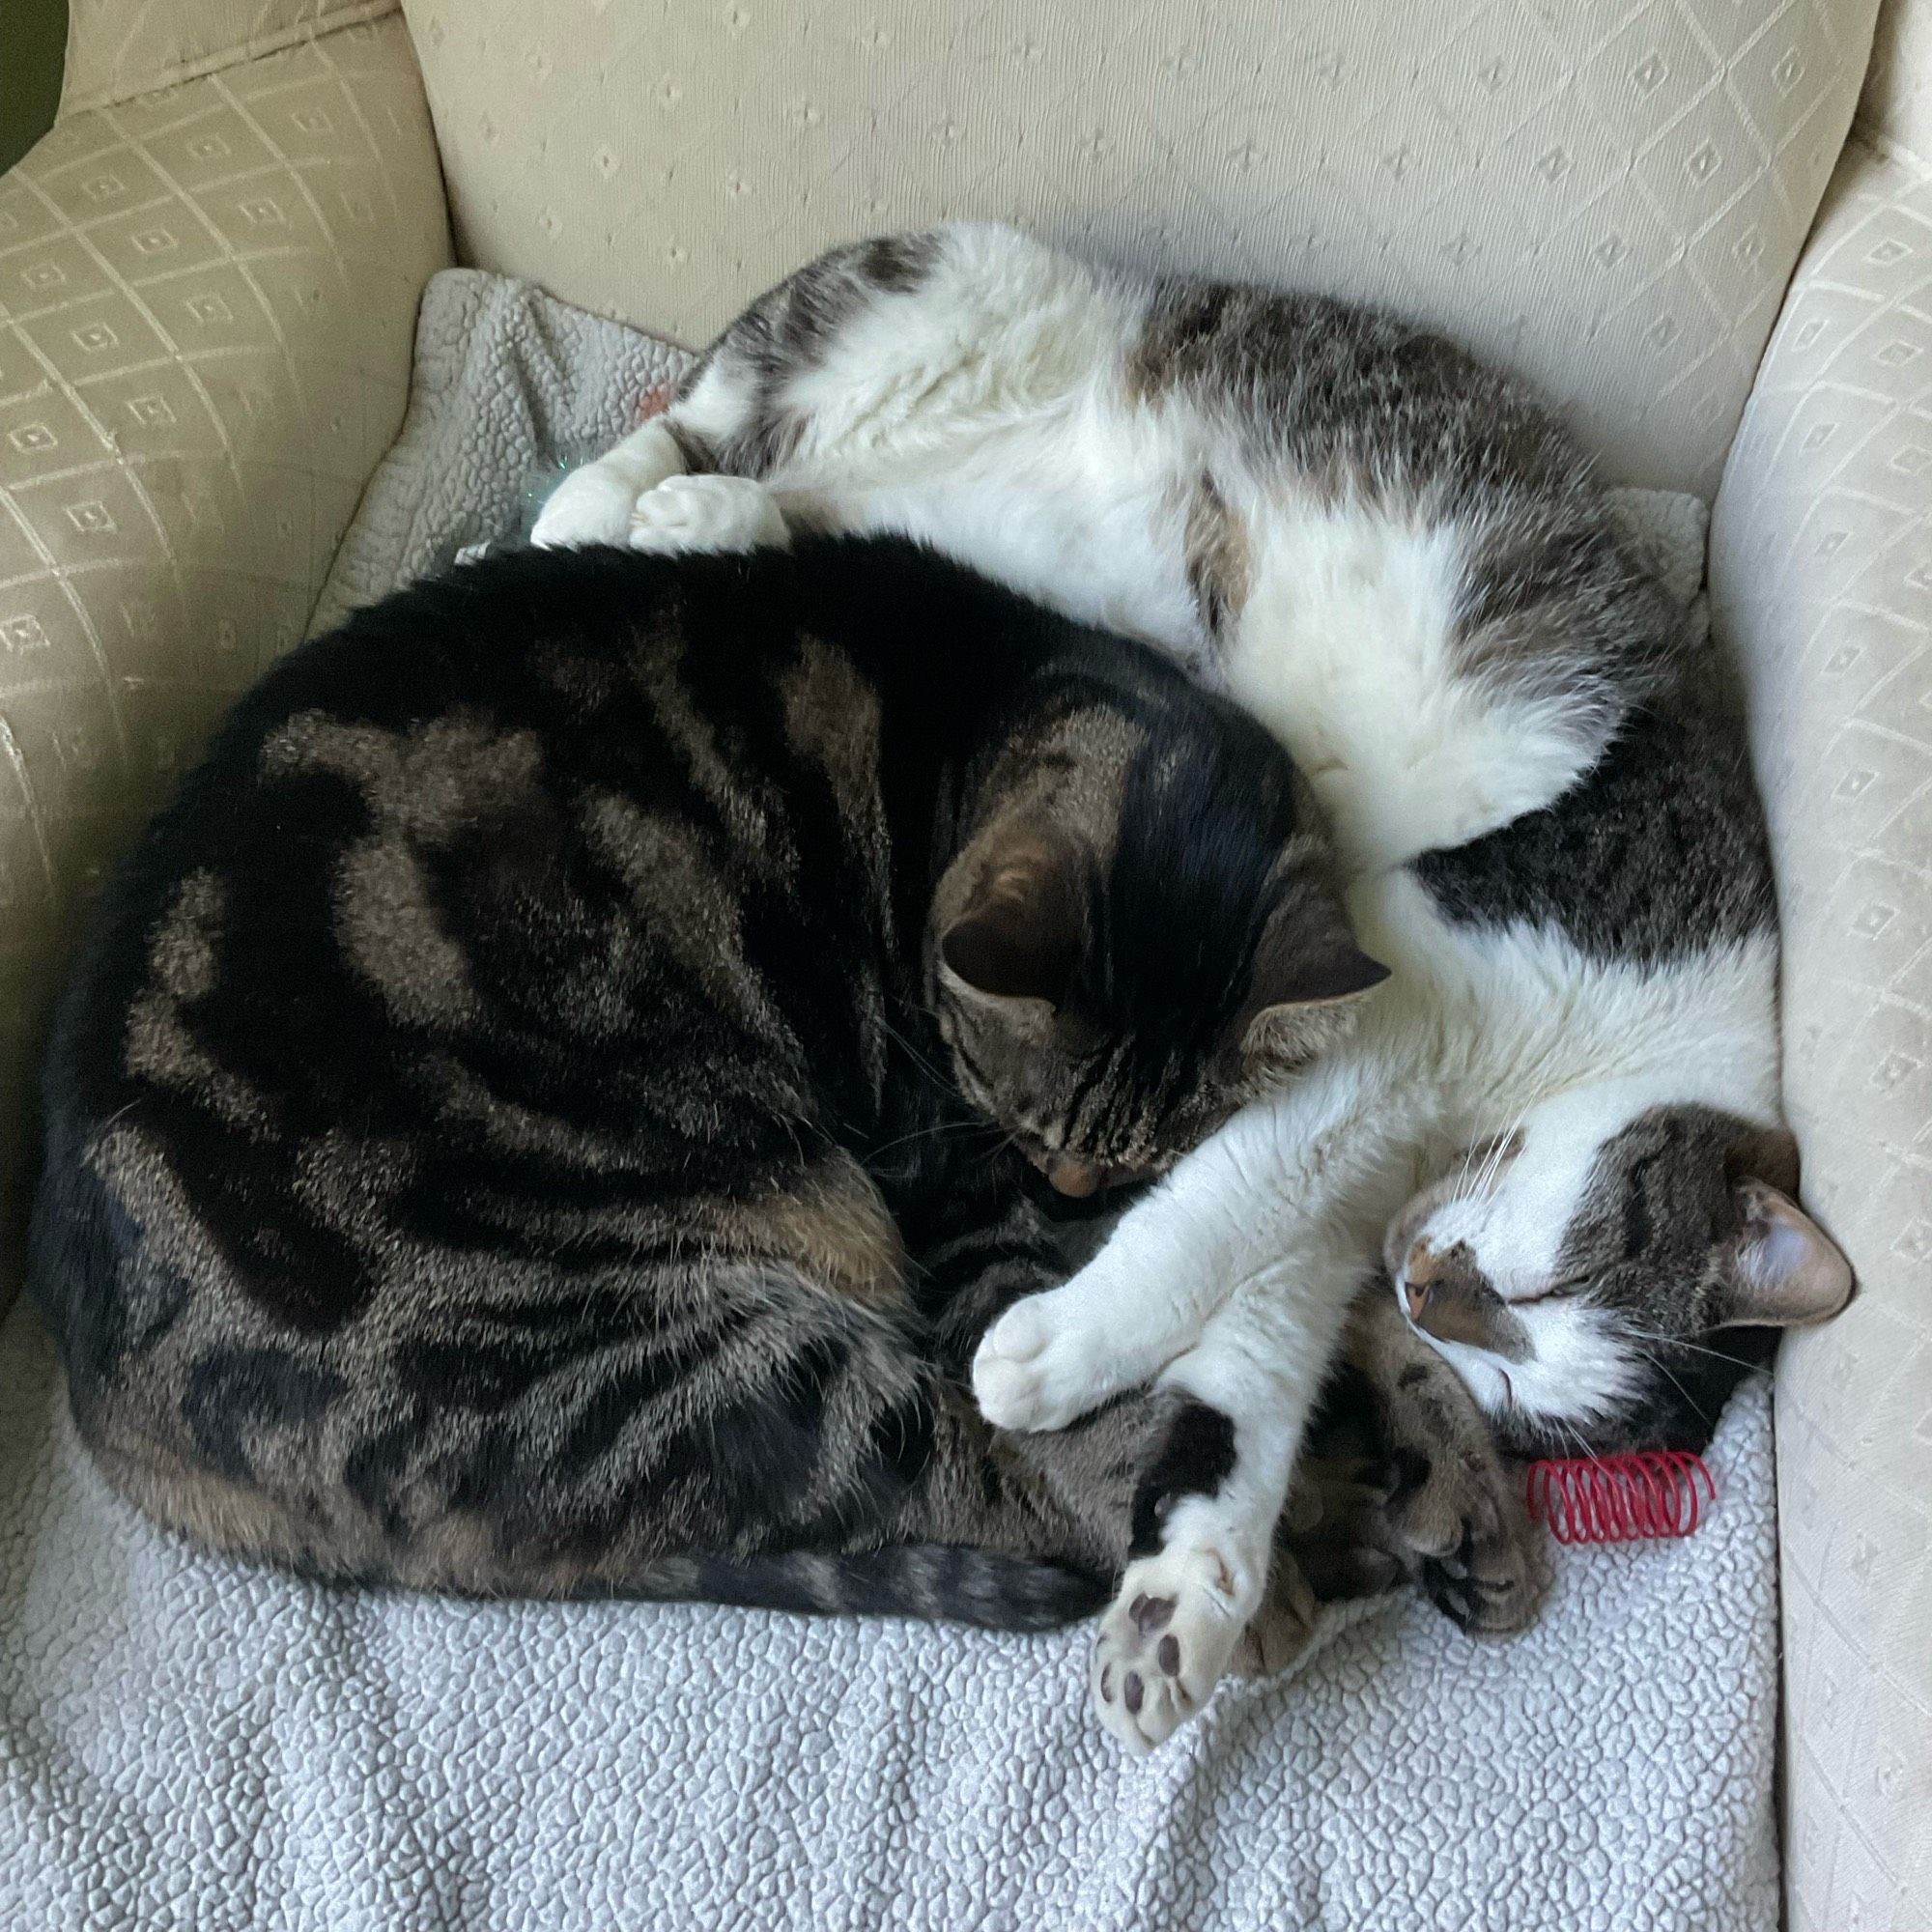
[(33, 35)]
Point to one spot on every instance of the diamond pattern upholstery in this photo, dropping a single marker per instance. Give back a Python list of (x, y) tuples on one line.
[(1821, 576), (205, 304), (1609, 197)]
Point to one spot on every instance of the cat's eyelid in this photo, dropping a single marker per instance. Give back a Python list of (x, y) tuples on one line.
[(1571, 1284)]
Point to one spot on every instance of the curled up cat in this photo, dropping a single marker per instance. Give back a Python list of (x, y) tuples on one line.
[(554, 1103), (1552, 1146)]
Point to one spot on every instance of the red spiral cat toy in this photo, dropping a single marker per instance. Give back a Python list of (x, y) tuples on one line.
[(1621, 1499)]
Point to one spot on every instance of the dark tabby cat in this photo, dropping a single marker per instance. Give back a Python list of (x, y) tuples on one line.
[(542, 1111)]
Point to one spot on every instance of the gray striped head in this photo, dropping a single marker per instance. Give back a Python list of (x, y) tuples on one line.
[(1143, 935), (1601, 1279)]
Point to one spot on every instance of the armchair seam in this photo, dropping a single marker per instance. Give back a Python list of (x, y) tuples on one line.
[(237, 55), (1886, 147)]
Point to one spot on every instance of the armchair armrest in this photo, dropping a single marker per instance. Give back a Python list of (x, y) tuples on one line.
[(1821, 576), (207, 301)]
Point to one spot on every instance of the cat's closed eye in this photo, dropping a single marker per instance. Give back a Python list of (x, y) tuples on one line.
[(1597, 1287)]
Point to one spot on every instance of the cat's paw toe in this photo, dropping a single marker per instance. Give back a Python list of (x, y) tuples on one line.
[(705, 513), (1283, 1628), (1032, 1374), (1481, 1559), (1335, 1533), (592, 505), (1165, 1644)]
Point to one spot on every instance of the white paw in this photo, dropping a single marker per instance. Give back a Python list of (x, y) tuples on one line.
[(592, 505), (1168, 1640), (706, 513), (1038, 1367)]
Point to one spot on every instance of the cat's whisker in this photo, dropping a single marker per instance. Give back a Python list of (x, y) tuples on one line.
[(1659, 1366), (915, 1056), (1675, 1341), (1499, 1150), (119, 1114), (933, 1132)]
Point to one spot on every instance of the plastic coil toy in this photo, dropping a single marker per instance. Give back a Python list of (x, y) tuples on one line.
[(1621, 1499)]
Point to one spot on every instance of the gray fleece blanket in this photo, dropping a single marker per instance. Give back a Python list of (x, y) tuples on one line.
[(186, 1742)]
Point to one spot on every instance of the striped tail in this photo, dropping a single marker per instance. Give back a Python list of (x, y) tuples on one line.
[(931, 1581)]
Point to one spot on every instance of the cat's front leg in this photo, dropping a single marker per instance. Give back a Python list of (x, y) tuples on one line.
[(716, 514), (1205, 1522), (1457, 1516), (1142, 1300), (1053, 1356)]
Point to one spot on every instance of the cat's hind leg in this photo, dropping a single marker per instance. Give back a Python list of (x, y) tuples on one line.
[(1456, 1516), (687, 480), (708, 514), (735, 417)]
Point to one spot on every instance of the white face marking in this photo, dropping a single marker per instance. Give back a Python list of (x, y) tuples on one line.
[(1516, 1227), (1580, 1365), (1577, 1371)]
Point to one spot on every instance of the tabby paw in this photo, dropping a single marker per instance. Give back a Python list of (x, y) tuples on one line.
[(1283, 1628), (706, 513), (592, 505), (1168, 1640), (1462, 1520), (1335, 1533), (1039, 1367)]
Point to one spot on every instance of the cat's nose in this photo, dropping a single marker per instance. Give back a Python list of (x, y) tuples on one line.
[(1074, 1178)]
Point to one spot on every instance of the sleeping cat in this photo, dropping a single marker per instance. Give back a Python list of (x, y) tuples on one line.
[(506, 1131), (1558, 1126)]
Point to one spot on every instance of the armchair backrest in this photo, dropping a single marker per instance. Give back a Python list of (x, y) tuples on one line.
[(1609, 201)]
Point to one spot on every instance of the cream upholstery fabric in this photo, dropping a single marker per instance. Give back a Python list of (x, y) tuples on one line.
[(205, 304), (1895, 108), (1821, 574), (118, 48), (1609, 197)]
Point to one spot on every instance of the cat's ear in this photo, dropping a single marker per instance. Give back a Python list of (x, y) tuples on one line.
[(1764, 1153), (1780, 1267), (1308, 980), (1018, 935)]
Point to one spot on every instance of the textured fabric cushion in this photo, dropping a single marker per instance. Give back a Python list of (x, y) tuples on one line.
[(205, 305), (186, 1742), (1608, 198), (118, 48), (1821, 573), (508, 384)]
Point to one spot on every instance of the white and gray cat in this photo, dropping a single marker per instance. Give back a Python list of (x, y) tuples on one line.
[(1557, 1125)]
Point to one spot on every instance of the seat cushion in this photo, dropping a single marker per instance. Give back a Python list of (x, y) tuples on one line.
[(1607, 198), (185, 1739)]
